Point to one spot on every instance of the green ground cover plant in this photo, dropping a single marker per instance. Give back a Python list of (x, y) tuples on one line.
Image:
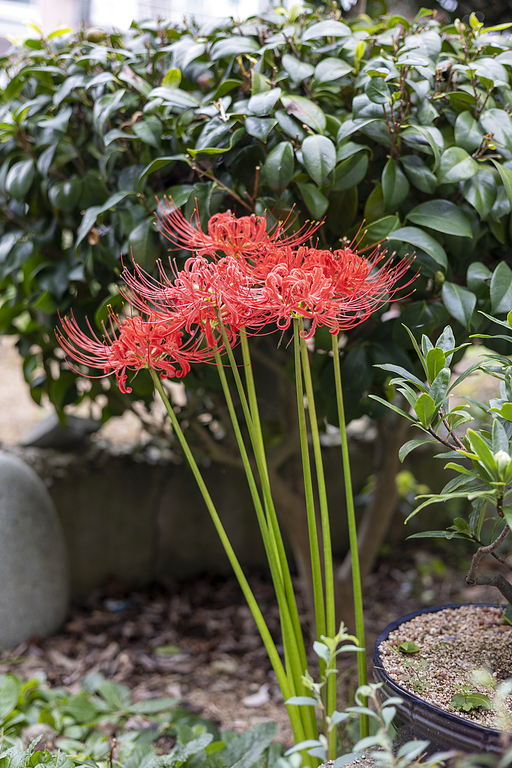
[(81, 722)]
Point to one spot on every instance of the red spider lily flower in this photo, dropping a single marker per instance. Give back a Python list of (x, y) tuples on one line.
[(202, 293), (231, 235), (132, 344), (337, 289)]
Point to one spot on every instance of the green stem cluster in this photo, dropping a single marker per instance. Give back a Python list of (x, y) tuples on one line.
[(290, 674)]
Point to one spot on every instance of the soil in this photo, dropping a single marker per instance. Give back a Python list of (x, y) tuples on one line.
[(449, 646)]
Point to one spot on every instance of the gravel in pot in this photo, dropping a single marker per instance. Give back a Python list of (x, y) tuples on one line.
[(429, 656)]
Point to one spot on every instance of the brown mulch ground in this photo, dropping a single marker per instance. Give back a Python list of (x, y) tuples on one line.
[(197, 640)]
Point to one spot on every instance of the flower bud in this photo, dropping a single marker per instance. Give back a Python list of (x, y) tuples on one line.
[(502, 459)]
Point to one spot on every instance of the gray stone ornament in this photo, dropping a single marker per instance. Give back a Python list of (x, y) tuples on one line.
[(34, 577)]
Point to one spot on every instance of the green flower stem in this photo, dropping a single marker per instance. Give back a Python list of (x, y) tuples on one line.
[(259, 450), (249, 408), (316, 568), (330, 608), (352, 531), (292, 655), (296, 722)]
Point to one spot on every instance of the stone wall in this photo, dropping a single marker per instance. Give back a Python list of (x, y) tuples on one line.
[(123, 516)]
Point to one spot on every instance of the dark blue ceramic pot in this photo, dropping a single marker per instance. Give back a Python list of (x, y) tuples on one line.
[(422, 720)]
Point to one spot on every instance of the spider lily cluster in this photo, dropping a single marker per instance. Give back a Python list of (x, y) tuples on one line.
[(242, 279), (252, 279)]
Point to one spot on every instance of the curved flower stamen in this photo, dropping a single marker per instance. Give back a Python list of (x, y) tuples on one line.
[(132, 344), (227, 233)]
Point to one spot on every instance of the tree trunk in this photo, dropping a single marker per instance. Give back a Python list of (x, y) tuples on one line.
[(359, 7)]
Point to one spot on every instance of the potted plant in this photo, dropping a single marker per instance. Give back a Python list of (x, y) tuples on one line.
[(429, 658)]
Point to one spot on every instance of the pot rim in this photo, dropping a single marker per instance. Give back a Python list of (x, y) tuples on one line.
[(403, 693)]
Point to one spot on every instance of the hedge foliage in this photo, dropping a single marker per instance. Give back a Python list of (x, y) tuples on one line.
[(402, 124)]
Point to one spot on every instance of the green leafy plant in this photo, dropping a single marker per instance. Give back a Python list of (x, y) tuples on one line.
[(412, 753), (76, 719), (415, 676), (467, 699), (327, 649), (79, 721), (481, 458), (408, 646)]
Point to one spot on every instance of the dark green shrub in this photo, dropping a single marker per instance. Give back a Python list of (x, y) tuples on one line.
[(405, 125)]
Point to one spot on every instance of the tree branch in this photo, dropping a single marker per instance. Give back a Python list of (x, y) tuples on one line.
[(471, 577)]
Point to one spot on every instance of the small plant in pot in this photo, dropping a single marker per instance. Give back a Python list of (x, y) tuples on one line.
[(429, 658)]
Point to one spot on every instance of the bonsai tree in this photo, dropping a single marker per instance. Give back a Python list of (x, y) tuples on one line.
[(480, 457), (403, 125)]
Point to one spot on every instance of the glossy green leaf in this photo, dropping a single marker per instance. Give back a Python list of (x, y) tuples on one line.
[(297, 70), (260, 127), (425, 409), (378, 91), (233, 46), (435, 360), (172, 78), (498, 123), (468, 133), (289, 125), (425, 139), (482, 450), (478, 278), (149, 131), (439, 388), (352, 126), (19, 179), (374, 208), (506, 178), (105, 107), (419, 173), (10, 690), (65, 195), (226, 87), (306, 111), (481, 192), (263, 103), (326, 29), (58, 123), (101, 315), (459, 302), (410, 445), (143, 242), (316, 202), (91, 214), (174, 97), (380, 229), (423, 240), (232, 139), (456, 165), (280, 166), (161, 162), (330, 69), (501, 289), (319, 157), (442, 216), (351, 172), (394, 185), (342, 210), (213, 133)]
